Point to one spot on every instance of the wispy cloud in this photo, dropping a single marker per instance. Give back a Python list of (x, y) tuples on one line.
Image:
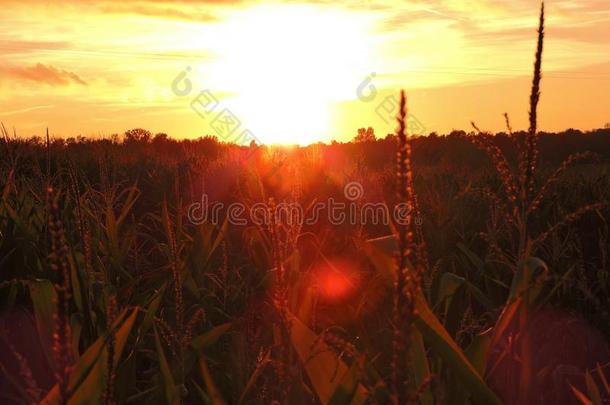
[(25, 110), (41, 74), (23, 46), (161, 11)]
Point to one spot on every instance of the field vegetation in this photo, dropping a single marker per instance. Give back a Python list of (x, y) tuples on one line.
[(493, 288)]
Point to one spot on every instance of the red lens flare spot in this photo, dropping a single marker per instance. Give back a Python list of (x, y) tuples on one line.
[(336, 280), (335, 285)]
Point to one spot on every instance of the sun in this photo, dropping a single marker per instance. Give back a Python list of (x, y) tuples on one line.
[(284, 66)]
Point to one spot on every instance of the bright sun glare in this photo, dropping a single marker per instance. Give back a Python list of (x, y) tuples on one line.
[(285, 66)]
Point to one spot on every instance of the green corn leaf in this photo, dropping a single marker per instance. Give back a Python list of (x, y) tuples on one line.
[(172, 395), (212, 391), (328, 374), (210, 337), (152, 308), (420, 366), (441, 342), (88, 376), (44, 300), (260, 366), (380, 252)]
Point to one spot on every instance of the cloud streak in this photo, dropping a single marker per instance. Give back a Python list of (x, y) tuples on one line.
[(22, 46), (25, 110), (41, 73), (160, 11)]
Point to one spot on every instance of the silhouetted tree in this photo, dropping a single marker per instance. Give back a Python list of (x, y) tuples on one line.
[(137, 135), (160, 137), (365, 135)]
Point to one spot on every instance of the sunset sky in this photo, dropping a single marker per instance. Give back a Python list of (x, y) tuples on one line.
[(292, 72)]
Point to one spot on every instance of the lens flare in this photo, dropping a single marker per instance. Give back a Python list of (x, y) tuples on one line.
[(337, 280)]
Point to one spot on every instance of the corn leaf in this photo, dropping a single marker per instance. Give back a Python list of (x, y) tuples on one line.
[(592, 389), (172, 395), (380, 252), (88, 376), (580, 396), (210, 337), (44, 297), (212, 391), (326, 371)]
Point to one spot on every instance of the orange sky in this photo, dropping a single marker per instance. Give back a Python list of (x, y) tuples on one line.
[(292, 72)]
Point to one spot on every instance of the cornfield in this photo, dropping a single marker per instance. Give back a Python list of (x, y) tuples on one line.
[(493, 288)]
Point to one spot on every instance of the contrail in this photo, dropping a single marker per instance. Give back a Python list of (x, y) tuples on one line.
[(25, 110)]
